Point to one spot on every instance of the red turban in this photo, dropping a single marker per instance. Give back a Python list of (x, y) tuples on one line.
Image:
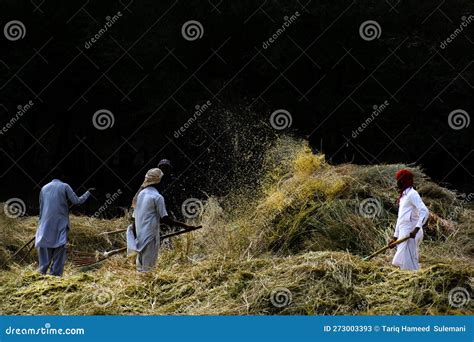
[(405, 177)]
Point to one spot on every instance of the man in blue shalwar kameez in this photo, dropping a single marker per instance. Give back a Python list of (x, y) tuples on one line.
[(150, 209), (53, 228)]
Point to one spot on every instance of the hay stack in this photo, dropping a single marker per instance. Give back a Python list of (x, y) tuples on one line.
[(291, 244)]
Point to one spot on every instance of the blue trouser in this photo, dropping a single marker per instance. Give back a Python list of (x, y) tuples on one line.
[(56, 257), (146, 259)]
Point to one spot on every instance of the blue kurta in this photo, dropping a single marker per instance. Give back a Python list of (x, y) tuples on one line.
[(148, 212), (54, 213)]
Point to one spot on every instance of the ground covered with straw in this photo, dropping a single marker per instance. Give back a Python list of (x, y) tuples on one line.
[(292, 243)]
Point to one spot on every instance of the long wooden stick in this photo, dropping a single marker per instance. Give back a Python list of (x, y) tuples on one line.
[(179, 232), (86, 261), (114, 232), (383, 249), (118, 231)]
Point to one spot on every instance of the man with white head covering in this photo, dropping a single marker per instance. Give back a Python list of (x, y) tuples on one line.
[(170, 188), (150, 209)]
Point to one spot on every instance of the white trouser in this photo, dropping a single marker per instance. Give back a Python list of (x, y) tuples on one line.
[(407, 255)]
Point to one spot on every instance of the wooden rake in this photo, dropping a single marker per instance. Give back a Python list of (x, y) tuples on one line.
[(85, 259)]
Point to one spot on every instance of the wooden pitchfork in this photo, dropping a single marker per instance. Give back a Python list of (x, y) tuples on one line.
[(383, 249), (30, 243)]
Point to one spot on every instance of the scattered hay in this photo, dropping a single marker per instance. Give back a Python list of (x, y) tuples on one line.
[(311, 283), (289, 244)]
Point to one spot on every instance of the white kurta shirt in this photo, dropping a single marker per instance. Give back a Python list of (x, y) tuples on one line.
[(412, 213)]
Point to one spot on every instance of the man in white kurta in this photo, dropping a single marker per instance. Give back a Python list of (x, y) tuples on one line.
[(412, 214)]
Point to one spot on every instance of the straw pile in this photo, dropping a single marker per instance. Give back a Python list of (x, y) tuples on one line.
[(292, 244), (311, 283)]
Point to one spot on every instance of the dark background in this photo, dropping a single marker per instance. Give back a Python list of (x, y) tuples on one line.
[(151, 79)]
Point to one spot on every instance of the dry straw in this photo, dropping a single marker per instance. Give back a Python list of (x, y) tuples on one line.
[(292, 244)]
